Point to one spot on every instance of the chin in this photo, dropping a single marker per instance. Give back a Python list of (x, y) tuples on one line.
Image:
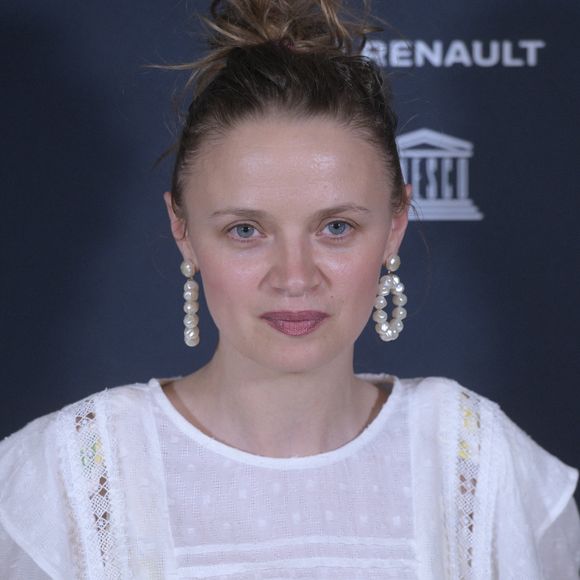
[(295, 355), (296, 365), (282, 353)]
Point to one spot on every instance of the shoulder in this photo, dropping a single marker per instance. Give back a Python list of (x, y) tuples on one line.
[(534, 483), (39, 446), (35, 444), (468, 412), (443, 395), (105, 407), (537, 482), (435, 386), (51, 466), (22, 452), (115, 398)]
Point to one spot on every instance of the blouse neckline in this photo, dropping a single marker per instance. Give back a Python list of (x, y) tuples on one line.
[(284, 463)]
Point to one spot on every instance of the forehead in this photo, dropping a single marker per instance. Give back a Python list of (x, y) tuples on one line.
[(277, 159)]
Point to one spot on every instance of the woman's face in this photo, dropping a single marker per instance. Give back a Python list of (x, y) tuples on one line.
[(289, 216)]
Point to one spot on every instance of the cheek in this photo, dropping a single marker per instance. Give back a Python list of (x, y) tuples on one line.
[(365, 280), (227, 283), (355, 282)]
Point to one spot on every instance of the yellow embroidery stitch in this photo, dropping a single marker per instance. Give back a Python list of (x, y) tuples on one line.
[(92, 454), (468, 419), (464, 450)]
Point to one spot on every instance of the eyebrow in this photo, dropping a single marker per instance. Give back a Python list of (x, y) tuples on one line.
[(320, 214)]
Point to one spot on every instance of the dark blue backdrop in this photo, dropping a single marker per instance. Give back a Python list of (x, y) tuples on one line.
[(91, 288)]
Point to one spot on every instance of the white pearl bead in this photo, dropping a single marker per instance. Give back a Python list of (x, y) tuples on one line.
[(399, 312), (395, 280), (379, 316), (399, 299), (190, 307), (390, 333), (396, 324), (192, 341), (399, 288), (380, 302), (386, 280), (382, 327), (384, 291), (191, 320), (191, 333), (191, 285), (393, 263), (386, 338), (187, 269), (190, 295)]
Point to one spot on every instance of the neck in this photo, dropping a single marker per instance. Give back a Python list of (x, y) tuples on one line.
[(266, 412)]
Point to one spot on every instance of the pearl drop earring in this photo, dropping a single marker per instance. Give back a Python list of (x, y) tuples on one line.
[(390, 284), (191, 306)]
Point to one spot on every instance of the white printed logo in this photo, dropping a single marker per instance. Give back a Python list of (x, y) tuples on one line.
[(437, 166), (408, 53)]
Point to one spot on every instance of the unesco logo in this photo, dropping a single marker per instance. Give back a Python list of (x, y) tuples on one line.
[(437, 166)]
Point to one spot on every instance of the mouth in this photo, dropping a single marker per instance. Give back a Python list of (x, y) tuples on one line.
[(295, 323)]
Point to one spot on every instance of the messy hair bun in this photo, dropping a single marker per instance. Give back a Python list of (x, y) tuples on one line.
[(304, 26), (296, 57)]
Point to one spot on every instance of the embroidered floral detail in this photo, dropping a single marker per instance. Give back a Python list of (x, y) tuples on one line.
[(468, 455), (91, 494)]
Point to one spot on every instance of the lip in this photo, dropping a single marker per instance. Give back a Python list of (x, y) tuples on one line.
[(295, 316), (297, 323)]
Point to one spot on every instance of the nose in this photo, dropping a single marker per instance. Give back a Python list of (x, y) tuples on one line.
[(294, 270)]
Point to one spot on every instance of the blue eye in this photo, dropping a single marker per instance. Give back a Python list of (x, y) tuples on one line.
[(338, 227), (244, 231)]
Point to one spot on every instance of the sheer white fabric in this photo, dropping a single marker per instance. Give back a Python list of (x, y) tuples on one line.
[(441, 485)]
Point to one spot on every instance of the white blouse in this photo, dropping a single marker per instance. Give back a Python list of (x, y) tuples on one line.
[(440, 485)]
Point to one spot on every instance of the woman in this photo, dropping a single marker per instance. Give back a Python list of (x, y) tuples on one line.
[(275, 460)]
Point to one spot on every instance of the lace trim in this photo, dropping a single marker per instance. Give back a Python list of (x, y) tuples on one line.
[(289, 565), (91, 490), (467, 471), (399, 546)]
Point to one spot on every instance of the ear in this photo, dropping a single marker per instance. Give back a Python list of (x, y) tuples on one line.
[(399, 222), (179, 232)]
